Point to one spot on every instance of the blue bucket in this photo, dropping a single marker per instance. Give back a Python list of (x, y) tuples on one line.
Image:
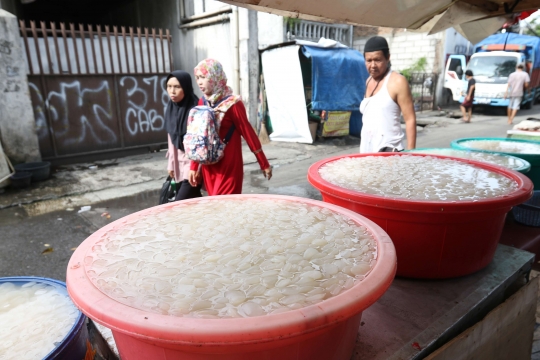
[(73, 345)]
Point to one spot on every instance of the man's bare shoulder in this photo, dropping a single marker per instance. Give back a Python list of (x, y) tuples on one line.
[(397, 81)]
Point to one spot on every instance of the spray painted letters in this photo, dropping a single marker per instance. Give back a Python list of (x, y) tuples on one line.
[(79, 114), (146, 103)]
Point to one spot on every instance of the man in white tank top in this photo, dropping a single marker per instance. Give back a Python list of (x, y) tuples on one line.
[(387, 97)]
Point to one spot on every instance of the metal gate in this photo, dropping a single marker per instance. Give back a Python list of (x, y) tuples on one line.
[(423, 87), (94, 90)]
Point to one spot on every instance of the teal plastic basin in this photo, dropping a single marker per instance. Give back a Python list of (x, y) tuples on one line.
[(533, 159), (513, 162)]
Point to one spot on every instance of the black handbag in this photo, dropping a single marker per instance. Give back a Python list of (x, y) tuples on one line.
[(167, 194)]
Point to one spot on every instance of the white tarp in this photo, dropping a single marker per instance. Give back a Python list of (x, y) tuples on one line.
[(285, 95)]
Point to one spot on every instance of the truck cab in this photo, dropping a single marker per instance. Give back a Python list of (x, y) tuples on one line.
[(454, 75), (491, 71)]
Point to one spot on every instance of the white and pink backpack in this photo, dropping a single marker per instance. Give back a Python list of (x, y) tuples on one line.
[(202, 142)]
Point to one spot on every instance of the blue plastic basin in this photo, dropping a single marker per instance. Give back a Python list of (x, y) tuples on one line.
[(73, 345)]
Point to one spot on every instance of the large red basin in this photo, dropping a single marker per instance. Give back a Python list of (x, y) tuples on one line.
[(326, 330), (433, 239)]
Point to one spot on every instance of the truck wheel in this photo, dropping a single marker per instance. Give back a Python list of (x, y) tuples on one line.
[(448, 97)]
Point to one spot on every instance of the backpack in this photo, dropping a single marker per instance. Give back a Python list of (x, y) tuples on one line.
[(202, 143)]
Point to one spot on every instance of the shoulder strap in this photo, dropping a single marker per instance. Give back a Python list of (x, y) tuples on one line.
[(229, 134), (232, 128), (387, 77), (205, 102), (368, 80), (220, 101)]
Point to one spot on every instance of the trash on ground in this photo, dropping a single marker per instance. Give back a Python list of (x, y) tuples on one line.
[(528, 125), (84, 209), (106, 215), (47, 251)]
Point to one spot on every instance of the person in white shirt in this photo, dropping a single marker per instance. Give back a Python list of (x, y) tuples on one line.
[(387, 96), (518, 81)]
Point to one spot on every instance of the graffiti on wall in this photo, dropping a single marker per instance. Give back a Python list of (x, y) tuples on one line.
[(82, 114), (86, 114), (139, 116)]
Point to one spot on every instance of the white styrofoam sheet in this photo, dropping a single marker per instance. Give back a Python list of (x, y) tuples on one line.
[(285, 95)]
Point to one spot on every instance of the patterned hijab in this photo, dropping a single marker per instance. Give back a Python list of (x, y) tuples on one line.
[(213, 70)]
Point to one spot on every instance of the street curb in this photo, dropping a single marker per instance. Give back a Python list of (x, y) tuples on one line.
[(76, 201)]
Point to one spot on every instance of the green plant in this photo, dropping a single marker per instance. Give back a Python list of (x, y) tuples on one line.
[(291, 21), (418, 66)]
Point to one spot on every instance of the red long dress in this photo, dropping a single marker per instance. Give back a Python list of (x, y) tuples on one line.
[(226, 176)]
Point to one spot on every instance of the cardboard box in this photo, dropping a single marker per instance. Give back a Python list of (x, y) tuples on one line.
[(337, 124)]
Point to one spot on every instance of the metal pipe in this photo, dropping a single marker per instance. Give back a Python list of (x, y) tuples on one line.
[(235, 27), (206, 15), (205, 22)]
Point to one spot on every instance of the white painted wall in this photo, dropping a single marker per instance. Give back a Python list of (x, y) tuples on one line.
[(406, 48), (17, 124), (270, 29), (218, 42), (211, 42)]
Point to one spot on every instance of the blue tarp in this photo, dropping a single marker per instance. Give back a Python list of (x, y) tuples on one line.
[(355, 124), (338, 78), (515, 39)]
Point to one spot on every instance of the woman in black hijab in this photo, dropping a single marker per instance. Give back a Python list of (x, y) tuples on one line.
[(182, 100)]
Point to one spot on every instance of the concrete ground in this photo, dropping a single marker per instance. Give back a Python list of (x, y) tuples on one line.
[(40, 226)]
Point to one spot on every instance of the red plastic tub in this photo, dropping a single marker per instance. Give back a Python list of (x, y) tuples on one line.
[(433, 239), (326, 330)]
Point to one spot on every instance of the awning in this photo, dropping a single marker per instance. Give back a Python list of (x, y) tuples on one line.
[(410, 14)]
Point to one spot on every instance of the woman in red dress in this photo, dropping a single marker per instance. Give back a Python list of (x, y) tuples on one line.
[(226, 176)]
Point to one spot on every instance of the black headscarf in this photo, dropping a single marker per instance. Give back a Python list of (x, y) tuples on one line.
[(176, 114)]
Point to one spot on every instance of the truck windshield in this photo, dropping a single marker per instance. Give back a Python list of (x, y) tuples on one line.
[(493, 66)]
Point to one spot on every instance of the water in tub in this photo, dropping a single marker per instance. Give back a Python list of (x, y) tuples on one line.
[(501, 160), (231, 258), (34, 318), (514, 147), (416, 178)]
